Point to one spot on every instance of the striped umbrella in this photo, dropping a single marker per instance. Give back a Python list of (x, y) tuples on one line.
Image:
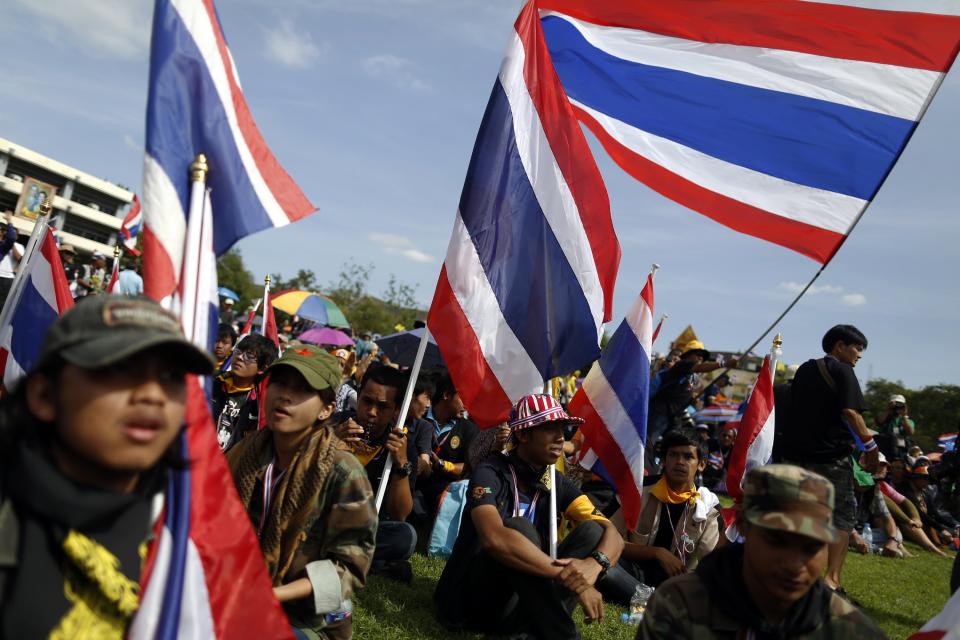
[(309, 305)]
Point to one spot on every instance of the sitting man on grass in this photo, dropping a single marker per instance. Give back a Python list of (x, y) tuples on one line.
[(309, 500), (769, 586), (679, 523), (500, 578), (372, 435)]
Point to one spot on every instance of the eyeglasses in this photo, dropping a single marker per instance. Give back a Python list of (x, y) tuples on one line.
[(245, 355)]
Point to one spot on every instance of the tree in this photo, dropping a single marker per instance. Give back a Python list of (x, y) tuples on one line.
[(934, 408), (305, 280), (232, 273), (366, 312)]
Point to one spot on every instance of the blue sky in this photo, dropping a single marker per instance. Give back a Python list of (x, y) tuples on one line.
[(373, 106)]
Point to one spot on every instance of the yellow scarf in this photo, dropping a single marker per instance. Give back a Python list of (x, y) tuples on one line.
[(662, 492), (230, 388)]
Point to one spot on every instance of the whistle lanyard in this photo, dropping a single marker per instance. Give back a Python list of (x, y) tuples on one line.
[(443, 441), (269, 485), (531, 508)]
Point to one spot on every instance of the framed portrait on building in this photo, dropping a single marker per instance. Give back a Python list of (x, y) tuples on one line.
[(32, 196)]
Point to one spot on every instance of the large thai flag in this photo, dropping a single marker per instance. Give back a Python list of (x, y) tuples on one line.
[(777, 118), (195, 106), (945, 625), (613, 402), (205, 577), (131, 226), (43, 297), (529, 273), (754, 444)]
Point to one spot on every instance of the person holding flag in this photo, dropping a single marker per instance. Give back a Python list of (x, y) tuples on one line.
[(501, 555), (88, 439)]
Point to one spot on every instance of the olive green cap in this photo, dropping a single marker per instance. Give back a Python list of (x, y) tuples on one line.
[(103, 330), (792, 499), (320, 369)]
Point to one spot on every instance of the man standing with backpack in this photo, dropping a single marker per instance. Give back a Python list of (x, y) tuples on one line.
[(824, 410)]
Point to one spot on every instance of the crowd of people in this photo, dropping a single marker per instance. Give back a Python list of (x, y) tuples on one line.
[(312, 432)]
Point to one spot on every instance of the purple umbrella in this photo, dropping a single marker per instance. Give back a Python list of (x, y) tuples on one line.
[(326, 335)]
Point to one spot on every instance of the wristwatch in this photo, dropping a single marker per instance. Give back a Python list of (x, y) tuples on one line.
[(406, 469), (603, 561)]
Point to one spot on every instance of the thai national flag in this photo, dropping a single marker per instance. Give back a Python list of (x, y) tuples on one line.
[(948, 441), (195, 106), (130, 227), (44, 296), (779, 119), (754, 444), (613, 401), (529, 273), (945, 625)]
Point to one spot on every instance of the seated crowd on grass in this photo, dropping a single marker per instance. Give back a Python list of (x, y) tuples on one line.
[(309, 460)]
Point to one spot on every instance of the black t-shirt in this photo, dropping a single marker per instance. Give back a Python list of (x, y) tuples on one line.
[(375, 467), (452, 446), (653, 573), (421, 432), (816, 431), (491, 483)]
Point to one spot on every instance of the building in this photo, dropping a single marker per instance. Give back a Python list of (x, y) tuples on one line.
[(87, 211)]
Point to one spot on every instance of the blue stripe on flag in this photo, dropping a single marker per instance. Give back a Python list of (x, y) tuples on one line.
[(626, 366), (185, 118), (31, 319), (534, 284), (178, 523), (803, 140)]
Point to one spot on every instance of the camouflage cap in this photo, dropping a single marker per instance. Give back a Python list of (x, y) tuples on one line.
[(789, 498), (103, 330), (320, 369)]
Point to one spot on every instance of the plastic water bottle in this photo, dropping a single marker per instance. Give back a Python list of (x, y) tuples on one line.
[(868, 537), (638, 604)]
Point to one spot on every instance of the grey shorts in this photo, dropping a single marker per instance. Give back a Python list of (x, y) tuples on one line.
[(840, 473)]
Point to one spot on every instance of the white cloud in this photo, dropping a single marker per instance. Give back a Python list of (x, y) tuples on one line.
[(290, 47), (398, 71), (852, 299), (113, 27), (396, 244)]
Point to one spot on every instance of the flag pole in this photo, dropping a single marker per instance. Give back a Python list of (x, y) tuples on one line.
[(404, 408), (40, 226), (266, 305), (656, 332), (115, 269)]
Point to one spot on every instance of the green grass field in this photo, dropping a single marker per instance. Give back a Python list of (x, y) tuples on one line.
[(900, 595)]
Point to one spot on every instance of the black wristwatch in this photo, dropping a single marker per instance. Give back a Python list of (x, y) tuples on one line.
[(406, 469), (603, 561)]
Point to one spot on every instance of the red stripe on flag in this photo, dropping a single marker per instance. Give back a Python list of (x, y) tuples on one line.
[(224, 538), (597, 437), (813, 242), (919, 40), (754, 418), (291, 199), (571, 151), (479, 388), (159, 275), (61, 287)]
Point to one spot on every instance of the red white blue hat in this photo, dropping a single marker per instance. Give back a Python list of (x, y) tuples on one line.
[(536, 409)]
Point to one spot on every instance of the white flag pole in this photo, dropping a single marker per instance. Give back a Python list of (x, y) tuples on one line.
[(266, 305), (190, 275), (404, 408), (40, 226)]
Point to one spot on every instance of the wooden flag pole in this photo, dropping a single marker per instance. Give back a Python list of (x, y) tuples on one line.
[(404, 408)]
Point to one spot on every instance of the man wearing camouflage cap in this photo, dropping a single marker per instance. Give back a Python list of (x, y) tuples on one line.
[(769, 586)]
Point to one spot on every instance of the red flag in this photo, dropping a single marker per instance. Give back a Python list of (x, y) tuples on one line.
[(270, 321), (114, 278), (754, 444)]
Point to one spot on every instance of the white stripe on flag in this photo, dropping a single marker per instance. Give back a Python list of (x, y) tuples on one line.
[(616, 420), (553, 194), (504, 353), (640, 321), (162, 209), (809, 205), (882, 88), (196, 20)]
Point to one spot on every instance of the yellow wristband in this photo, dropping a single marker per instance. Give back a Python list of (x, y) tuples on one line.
[(448, 467)]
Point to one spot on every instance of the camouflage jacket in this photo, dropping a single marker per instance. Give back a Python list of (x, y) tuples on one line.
[(682, 607), (332, 537)]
